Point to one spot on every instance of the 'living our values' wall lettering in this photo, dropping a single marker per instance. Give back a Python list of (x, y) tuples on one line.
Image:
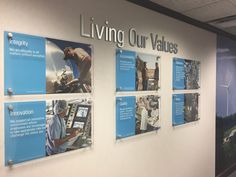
[(109, 33)]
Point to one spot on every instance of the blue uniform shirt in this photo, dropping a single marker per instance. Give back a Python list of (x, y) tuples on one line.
[(56, 130)]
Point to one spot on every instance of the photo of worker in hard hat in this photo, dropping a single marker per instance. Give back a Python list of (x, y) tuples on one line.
[(68, 67), (83, 62), (68, 125)]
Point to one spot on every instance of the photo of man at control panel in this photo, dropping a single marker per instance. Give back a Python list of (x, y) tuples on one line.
[(68, 125)]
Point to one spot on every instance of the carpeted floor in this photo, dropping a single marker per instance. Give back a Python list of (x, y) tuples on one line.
[(233, 174)]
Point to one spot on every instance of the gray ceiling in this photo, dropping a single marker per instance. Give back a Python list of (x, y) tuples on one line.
[(219, 13)]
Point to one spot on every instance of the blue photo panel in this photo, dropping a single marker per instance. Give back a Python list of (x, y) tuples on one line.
[(125, 116), (178, 73), (24, 63), (178, 109), (125, 70), (25, 124)]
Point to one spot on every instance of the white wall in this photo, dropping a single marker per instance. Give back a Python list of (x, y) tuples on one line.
[(185, 151)]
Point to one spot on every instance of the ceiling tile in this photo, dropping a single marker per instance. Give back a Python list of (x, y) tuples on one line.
[(213, 11), (183, 5), (231, 30), (233, 1), (225, 24)]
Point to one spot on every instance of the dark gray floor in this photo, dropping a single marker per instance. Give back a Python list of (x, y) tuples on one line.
[(233, 174)]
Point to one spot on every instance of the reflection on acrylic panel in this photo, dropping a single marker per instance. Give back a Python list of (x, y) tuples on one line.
[(137, 115), (225, 104), (186, 74), (185, 108), (137, 71)]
